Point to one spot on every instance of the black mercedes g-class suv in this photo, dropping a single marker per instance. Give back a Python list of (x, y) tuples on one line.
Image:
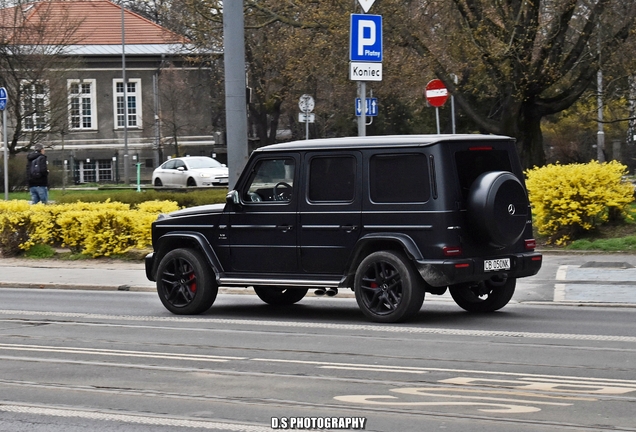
[(390, 217)]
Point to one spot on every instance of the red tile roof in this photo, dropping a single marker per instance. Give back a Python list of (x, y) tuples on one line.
[(80, 22)]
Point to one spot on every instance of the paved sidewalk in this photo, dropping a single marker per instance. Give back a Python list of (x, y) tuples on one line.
[(84, 274)]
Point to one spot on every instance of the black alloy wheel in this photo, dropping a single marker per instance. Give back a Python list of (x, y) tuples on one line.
[(185, 284), (484, 296), (387, 287), (279, 296)]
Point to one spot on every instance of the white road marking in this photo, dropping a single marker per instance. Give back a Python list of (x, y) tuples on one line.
[(492, 407), (374, 369), (562, 273), (130, 418), (119, 353), (328, 326)]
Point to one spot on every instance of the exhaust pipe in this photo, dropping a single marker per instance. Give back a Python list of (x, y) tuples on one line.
[(320, 292), (332, 292)]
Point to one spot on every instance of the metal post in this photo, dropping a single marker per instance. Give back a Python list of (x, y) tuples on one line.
[(64, 166), (155, 89), (600, 137), (362, 119), (235, 85), (454, 77), (306, 125), (6, 155), (437, 118), (125, 82), (138, 177)]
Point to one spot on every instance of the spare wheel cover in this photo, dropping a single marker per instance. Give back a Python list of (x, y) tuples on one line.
[(498, 207)]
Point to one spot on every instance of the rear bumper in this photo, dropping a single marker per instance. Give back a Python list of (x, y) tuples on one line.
[(439, 273)]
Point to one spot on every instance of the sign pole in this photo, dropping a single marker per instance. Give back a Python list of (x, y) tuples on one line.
[(6, 155), (362, 119), (437, 118), (454, 77), (306, 125)]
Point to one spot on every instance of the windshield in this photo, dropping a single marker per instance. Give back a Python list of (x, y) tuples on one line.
[(204, 162)]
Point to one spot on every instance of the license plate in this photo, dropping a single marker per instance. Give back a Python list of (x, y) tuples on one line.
[(497, 264)]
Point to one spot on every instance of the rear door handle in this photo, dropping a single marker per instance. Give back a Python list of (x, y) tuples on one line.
[(349, 228)]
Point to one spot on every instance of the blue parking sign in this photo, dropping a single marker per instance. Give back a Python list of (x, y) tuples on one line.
[(3, 98), (366, 38)]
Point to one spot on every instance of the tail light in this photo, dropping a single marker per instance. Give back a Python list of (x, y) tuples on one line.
[(531, 244), (452, 251)]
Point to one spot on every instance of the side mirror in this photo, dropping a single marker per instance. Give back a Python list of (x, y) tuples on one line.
[(181, 169), (233, 197)]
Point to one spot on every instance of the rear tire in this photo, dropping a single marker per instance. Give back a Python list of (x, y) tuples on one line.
[(185, 283), (387, 287), (158, 182), (484, 296), (277, 296)]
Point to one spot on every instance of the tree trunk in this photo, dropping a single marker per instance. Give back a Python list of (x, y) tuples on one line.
[(525, 126)]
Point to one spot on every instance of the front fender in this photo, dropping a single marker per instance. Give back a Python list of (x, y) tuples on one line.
[(179, 239)]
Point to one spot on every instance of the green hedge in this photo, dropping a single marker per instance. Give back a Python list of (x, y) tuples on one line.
[(185, 198)]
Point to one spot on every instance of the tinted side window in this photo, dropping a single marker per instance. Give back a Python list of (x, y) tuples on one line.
[(271, 180), (169, 164), (332, 178), (472, 163), (399, 178)]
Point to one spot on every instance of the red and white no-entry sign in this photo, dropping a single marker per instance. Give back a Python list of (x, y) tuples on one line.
[(436, 93)]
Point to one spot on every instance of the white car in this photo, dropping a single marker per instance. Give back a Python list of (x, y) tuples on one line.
[(191, 171)]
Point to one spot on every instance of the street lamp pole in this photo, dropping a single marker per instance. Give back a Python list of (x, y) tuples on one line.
[(125, 102)]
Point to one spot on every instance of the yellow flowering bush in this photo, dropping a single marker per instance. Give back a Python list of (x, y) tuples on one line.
[(15, 224), (568, 199), (97, 229)]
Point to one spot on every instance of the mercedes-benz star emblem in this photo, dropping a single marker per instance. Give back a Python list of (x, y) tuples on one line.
[(511, 209)]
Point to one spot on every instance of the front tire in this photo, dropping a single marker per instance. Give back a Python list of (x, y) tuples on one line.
[(276, 296), (387, 287), (185, 283), (158, 182), (484, 296), (191, 182)]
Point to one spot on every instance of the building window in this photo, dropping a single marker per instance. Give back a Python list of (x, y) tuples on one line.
[(35, 106), (83, 112), (94, 171), (133, 98)]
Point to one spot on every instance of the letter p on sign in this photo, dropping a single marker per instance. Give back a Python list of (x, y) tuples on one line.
[(366, 35)]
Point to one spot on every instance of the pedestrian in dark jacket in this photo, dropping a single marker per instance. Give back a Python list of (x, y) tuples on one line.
[(38, 175)]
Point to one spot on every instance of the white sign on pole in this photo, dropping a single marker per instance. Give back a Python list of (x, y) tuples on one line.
[(306, 103), (366, 4), (306, 117), (359, 71)]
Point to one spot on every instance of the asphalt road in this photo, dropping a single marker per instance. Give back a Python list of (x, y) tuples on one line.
[(105, 361)]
